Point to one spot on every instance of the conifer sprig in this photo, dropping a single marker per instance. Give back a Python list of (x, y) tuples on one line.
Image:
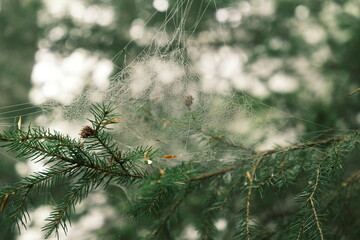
[(86, 165), (237, 188), (60, 216)]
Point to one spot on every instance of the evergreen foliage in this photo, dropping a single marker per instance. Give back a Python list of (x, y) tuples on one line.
[(308, 177)]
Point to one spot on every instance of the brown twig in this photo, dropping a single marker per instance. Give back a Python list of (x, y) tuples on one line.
[(248, 201), (156, 199), (113, 156), (353, 178), (166, 219), (226, 199), (212, 174), (269, 152), (301, 229), (355, 91), (307, 145), (311, 200)]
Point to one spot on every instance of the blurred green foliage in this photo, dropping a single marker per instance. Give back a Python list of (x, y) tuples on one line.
[(19, 34)]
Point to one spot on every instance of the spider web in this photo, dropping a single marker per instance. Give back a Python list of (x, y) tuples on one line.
[(224, 120)]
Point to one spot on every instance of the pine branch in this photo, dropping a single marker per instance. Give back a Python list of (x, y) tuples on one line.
[(206, 227), (295, 147), (35, 179), (96, 160), (310, 225), (115, 157), (69, 158), (301, 229), (18, 213), (61, 215), (166, 218), (215, 173), (311, 200), (43, 151), (229, 192), (250, 177), (157, 189)]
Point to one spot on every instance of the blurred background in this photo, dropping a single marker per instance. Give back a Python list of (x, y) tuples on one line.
[(299, 56)]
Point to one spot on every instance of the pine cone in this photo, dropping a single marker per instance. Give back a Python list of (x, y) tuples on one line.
[(188, 100), (86, 132)]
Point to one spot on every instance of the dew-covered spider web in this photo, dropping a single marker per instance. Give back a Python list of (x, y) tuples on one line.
[(184, 96)]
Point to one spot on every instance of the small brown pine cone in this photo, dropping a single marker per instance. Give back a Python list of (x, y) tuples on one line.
[(188, 100), (86, 132)]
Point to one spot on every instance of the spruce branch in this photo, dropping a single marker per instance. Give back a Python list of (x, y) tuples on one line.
[(169, 213), (250, 177), (85, 163), (165, 219), (307, 145), (301, 229), (311, 225), (35, 180), (229, 192), (107, 147), (96, 159), (54, 151), (156, 200), (61, 215), (20, 213), (248, 200), (206, 227), (214, 173), (19, 193), (311, 200), (156, 189)]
